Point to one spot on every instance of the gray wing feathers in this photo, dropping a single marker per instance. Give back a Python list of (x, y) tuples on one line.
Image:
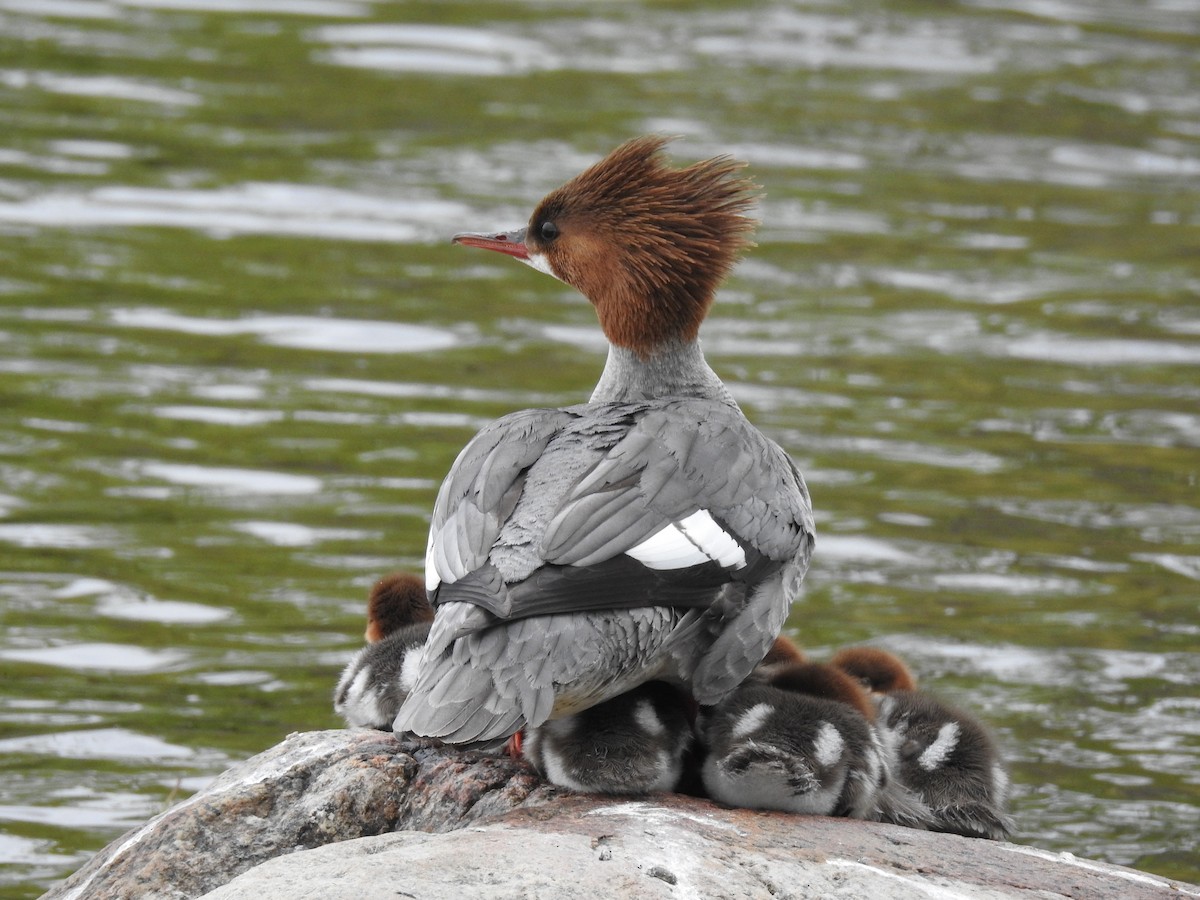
[(490, 683), (484, 486), (745, 638), (577, 488), (676, 459)]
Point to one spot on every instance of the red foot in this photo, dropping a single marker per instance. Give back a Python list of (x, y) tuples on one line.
[(513, 746)]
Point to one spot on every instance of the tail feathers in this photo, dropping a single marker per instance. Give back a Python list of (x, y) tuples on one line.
[(898, 805), (980, 820), (466, 705)]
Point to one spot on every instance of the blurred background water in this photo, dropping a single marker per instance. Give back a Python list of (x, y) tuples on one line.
[(237, 355)]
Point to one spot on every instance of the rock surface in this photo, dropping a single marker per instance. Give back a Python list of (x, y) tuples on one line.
[(313, 789), (391, 819)]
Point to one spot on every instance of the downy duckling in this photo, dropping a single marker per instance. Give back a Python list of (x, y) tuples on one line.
[(798, 740), (631, 744)]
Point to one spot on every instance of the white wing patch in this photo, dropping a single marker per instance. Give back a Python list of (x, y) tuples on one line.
[(443, 561), (432, 579), (689, 542)]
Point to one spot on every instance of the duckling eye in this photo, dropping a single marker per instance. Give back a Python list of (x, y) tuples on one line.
[(549, 231)]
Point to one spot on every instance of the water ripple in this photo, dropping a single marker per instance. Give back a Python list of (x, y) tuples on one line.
[(98, 743), (98, 656), (303, 332), (256, 208)]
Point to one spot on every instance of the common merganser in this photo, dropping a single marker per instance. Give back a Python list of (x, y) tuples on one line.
[(651, 533), (795, 739), (946, 758), (941, 755), (783, 652), (631, 744), (878, 670), (396, 600), (375, 682)]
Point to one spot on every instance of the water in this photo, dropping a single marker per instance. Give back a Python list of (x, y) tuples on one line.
[(237, 355)]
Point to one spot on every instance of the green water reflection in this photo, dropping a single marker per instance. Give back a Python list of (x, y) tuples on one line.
[(971, 318)]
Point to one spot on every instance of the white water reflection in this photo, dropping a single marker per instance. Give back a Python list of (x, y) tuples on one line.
[(113, 9), (293, 534), (302, 332), (323, 8), (439, 49), (120, 602), (98, 743), (1065, 348), (98, 656), (303, 210), (107, 86), (54, 536), (228, 480), (220, 415), (787, 37), (844, 548), (1017, 585), (426, 390), (98, 810)]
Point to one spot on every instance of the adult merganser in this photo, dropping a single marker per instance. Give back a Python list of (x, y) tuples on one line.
[(375, 682), (942, 756), (795, 738), (631, 744), (651, 533)]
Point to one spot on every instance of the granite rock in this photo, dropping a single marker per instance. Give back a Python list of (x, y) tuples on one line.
[(358, 814)]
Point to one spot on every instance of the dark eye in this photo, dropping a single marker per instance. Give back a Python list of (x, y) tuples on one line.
[(549, 231)]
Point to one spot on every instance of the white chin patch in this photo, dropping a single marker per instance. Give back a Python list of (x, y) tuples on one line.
[(689, 542), (538, 261)]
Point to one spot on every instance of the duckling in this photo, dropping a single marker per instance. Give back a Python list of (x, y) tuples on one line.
[(947, 759), (396, 600), (798, 740), (380, 676), (631, 744), (878, 670), (943, 758), (783, 652)]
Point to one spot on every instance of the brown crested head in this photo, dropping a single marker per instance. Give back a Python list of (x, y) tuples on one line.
[(396, 600), (646, 243), (878, 670)]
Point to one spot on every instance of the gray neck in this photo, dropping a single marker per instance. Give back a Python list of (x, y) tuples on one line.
[(677, 369)]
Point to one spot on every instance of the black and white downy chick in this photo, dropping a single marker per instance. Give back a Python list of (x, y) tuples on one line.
[(377, 680), (632, 744), (946, 771), (947, 759), (798, 740)]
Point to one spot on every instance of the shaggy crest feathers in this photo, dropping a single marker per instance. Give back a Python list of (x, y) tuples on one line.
[(647, 244)]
